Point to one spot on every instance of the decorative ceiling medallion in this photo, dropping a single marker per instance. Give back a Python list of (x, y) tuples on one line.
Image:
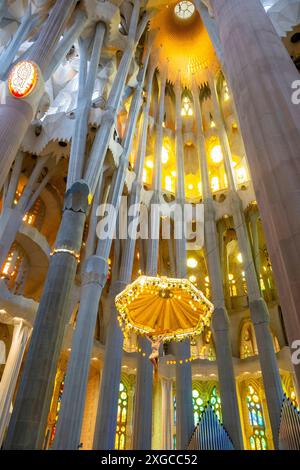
[(184, 10), (23, 79)]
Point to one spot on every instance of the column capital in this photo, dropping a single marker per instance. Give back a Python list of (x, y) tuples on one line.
[(77, 197), (94, 271)]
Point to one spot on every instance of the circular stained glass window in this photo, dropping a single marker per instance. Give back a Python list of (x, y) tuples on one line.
[(184, 10)]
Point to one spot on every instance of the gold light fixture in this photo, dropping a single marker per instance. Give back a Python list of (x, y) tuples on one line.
[(155, 306)]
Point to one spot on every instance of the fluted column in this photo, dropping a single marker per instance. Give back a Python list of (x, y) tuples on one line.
[(16, 114), (67, 436), (166, 413), (27, 426), (261, 83), (87, 77), (105, 430), (220, 320), (11, 371), (142, 428), (184, 398), (101, 141), (258, 308)]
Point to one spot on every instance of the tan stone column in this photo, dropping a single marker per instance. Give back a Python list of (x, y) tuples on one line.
[(261, 74), (12, 368)]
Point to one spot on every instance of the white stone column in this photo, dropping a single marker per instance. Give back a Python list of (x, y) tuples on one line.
[(142, 428), (258, 307), (9, 379), (261, 75), (166, 413), (184, 398)]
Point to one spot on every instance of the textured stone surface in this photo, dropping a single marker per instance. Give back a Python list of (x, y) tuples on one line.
[(261, 73)]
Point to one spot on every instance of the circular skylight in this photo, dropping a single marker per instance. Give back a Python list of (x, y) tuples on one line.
[(184, 10)]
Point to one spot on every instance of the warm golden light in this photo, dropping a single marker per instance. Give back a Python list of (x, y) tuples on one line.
[(149, 164), (192, 263), (239, 258), (193, 279), (164, 155), (216, 154), (23, 79)]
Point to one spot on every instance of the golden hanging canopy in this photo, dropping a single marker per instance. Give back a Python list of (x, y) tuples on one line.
[(161, 306)]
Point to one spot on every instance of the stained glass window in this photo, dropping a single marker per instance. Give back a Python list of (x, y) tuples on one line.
[(258, 440), (122, 418), (199, 402), (198, 406)]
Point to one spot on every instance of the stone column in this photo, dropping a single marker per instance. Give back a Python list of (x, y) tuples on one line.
[(184, 398), (27, 427), (261, 82), (67, 436), (258, 308), (166, 413), (10, 375), (105, 429), (220, 320), (101, 141), (16, 114)]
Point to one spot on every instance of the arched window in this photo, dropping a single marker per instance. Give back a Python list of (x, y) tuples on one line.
[(122, 418), (187, 109), (247, 345), (215, 403), (258, 440), (200, 400)]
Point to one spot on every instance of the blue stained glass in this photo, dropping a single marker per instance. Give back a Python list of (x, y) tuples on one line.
[(260, 419)]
